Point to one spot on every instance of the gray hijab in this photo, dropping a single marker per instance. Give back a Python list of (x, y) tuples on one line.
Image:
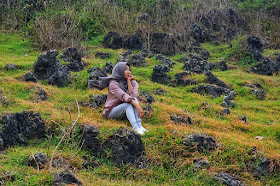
[(117, 74)]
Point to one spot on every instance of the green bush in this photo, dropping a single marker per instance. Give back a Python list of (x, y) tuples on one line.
[(238, 49), (90, 26)]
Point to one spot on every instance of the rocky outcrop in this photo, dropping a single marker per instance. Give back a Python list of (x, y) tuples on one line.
[(228, 179), (95, 101), (90, 139), (215, 91), (29, 76), (160, 74), (197, 65), (37, 161), (113, 40), (212, 79), (137, 60), (74, 58), (47, 67), (127, 147), (17, 128), (165, 60), (108, 68), (183, 78), (10, 66), (146, 97), (103, 55), (201, 143), (62, 178), (132, 42), (255, 47), (266, 67)]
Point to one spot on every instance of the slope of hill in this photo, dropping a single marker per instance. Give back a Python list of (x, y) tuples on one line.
[(169, 160)]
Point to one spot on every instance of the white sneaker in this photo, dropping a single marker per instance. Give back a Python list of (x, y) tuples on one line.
[(143, 129), (139, 131)]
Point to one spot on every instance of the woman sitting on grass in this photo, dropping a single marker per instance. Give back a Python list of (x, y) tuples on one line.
[(121, 100)]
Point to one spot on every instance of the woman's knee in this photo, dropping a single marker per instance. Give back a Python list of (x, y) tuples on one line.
[(129, 106)]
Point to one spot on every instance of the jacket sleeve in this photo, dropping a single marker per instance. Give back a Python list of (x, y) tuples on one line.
[(134, 91), (114, 88)]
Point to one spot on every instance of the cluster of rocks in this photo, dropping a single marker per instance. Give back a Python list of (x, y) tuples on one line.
[(74, 59), (41, 94), (228, 179), (217, 88), (147, 98), (95, 101), (222, 21), (145, 52), (165, 60), (260, 166), (115, 41), (96, 73), (62, 178), (212, 79), (201, 163), (48, 67), (217, 91), (10, 66), (201, 34), (108, 68), (167, 44), (267, 67), (137, 60), (17, 128), (255, 47), (257, 90), (223, 65), (90, 138), (29, 76), (197, 65), (126, 145), (123, 57), (37, 161), (160, 74), (213, 90), (179, 118), (184, 79), (201, 143), (163, 43), (103, 55)]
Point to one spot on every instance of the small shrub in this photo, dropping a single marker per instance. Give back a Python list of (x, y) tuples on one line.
[(247, 61), (238, 49)]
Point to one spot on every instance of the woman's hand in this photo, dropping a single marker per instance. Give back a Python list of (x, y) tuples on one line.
[(130, 77), (140, 112)]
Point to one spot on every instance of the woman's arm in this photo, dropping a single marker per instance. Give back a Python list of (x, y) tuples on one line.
[(138, 108), (114, 88), (129, 85), (133, 92)]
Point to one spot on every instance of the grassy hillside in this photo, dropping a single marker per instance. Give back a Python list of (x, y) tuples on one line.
[(168, 160)]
